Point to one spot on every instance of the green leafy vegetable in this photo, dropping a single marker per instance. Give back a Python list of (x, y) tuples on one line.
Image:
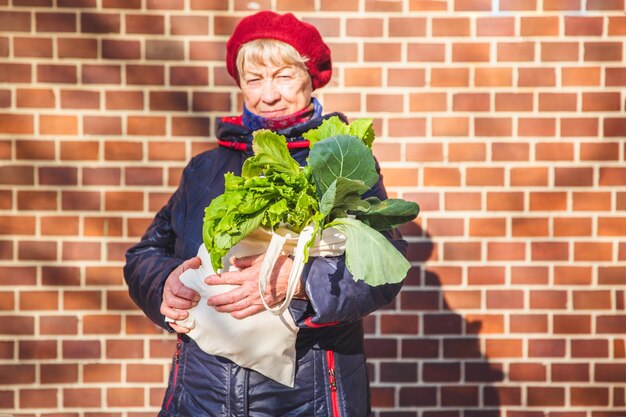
[(341, 156), (387, 214), (273, 190), (369, 255)]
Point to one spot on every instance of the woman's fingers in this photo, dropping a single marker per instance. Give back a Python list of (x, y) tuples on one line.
[(173, 313)]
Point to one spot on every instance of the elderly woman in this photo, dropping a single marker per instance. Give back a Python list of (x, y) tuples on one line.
[(278, 61)]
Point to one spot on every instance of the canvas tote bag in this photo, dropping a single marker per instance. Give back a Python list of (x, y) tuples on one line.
[(264, 342)]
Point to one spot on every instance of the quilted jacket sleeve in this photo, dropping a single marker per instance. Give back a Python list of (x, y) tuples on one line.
[(149, 262), (334, 295)]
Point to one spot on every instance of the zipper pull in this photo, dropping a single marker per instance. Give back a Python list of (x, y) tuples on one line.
[(333, 381)]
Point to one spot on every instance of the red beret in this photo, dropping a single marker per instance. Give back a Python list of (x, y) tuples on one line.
[(304, 37)]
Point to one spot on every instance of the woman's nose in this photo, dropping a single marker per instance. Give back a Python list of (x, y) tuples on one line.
[(270, 92)]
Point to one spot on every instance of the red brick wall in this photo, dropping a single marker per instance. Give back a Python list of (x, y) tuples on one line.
[(504, 119)]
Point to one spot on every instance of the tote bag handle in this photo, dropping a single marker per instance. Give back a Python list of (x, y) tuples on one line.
[(271, 256)]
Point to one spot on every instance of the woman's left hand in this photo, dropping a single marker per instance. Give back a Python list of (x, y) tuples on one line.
[(245, 300)]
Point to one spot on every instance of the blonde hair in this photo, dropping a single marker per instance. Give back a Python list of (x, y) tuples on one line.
[(263, 51)]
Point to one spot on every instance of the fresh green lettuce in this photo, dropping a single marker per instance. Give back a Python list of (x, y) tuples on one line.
[(274, 190)]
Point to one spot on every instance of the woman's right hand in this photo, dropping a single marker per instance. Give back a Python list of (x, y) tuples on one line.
[(176, 297)]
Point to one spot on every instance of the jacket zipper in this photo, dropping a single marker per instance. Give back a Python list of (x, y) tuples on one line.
[(176, 361), (330, 359)]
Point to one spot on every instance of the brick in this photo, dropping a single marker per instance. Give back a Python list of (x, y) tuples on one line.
[(505, 201), (207, 51), (497, 251), (58, 325), (38, 300), (442, 177), (426, 102), (12, 21), (77, 48), (382, 52), (165, 4), (366, 28), (504, 348), (450, 126), (145, 24), (536, 77), (549, 251), (102, 125), (80, 99), (37, 200), (484, 176), (15, 73), (449, 27), (515, 51), (58, 125), (12, 276), (583, 26), (82, 300), (144, 176), (384, 103), (554, 151), (539, 26), (493, 77), (17, 225), (580, 76), (102, 324), (599, 151), (60, 275), (616, 25), (407, 27), (164, 50), (19, 325), (602, 51), (557, 102), (124, 349), (145, 75), (406, 77), (470, 52), (471, 102), (424, 151), (546, 348), (77, 3), (593, 251), (510, 152), (608, 226), (526, 372), (528, 323), (101, 74), (80, 200), (614, 127), (577, 127), (612, 324), (59, 373), (440, 372), (429, 52), (166, 151), (383, 6), (146, 126), (591, 300), (191, 126), (492, 127), (505, 299), (99, 22), (101, 176), (601, 102), (17, 374), (399, 324), (363, 77), (32, 47), (57, 176), (81, 349), (103, 276), (123, 200), (546, 396), (61, 74), (487, 227), (16, 123), (55, 22), (536, 127), (571, 324), (590, 396), (521, 177), (38, 398), (189, 76), (328, 27), (189, 25), (80, 251), (570, 372), (561, 5), (605, 4), (462, 201), (460, 251), (170, 101), (559, 51), (572, 227), (572, 275), (124, 100), (121, 49), (82, 397)]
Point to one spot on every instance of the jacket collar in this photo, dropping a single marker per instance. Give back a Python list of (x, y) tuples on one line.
[(232, 134)]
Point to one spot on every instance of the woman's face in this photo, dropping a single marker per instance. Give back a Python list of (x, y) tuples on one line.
[(275, 90)]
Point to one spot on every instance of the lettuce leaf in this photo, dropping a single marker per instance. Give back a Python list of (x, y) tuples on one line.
[(341, 156), (369, 255), (387, 214)]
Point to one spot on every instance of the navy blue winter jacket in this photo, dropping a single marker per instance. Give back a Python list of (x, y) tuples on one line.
[(331, 375)]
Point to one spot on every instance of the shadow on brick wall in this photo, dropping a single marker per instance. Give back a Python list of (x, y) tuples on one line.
[(427, 361)]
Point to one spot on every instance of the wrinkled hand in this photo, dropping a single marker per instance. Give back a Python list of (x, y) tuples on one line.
[(245, 300), (176, 297)]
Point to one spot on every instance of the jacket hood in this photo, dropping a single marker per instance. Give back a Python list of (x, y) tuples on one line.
[(232, 134)]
